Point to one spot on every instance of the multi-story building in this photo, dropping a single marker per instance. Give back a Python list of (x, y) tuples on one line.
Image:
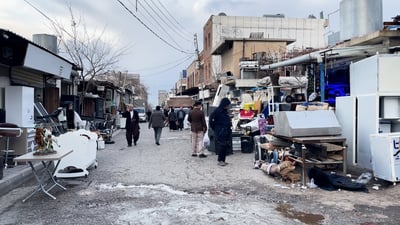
[(162, 97), (272, 34)]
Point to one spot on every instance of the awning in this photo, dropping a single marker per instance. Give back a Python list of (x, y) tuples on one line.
[(22, 53), (42, 60)]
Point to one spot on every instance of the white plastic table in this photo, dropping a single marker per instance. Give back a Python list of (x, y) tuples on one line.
[(42, 177)]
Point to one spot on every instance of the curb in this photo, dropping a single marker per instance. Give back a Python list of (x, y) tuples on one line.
[(15, 180)]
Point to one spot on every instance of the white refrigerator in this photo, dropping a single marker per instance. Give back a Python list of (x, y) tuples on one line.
[(19, 106), (385, 153)]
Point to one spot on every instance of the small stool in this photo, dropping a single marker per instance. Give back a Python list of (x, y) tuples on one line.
[(9, 130)]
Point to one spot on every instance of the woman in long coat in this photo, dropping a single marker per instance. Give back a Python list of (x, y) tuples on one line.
[(221, 124), (172, 118)]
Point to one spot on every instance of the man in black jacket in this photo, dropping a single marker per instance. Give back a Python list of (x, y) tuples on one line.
[(132, 125)]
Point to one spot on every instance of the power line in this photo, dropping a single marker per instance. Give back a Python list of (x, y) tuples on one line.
[(144, 16), (173, 25), (176, 21), (159, 66), (48, 18), (151, 22), (169, 68), (60, 27), (162, 28), (54, 24), (148, 28)]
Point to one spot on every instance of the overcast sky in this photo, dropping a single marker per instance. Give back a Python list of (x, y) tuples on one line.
[(162, 50)]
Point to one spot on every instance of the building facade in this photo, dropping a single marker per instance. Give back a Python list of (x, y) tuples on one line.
[(242, 38), (306, 33)]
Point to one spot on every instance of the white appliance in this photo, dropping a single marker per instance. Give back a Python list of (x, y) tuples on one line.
[(19, 106), (221, 93), (385, 153), (306, 123), (84, 146), (372, 107)]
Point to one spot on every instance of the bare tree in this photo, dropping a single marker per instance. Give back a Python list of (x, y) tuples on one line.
[(88, 50)]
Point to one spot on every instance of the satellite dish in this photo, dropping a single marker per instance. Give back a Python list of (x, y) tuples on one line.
[(221, 14)]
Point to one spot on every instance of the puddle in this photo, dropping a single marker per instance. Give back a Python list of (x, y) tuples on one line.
[(307, 218)]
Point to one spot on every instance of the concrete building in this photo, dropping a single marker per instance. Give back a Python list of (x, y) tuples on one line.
[(307, 33), (249, 36), (162, 97)]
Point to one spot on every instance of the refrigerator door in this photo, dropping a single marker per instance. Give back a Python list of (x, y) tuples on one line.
[(346, 114), (367, 124)]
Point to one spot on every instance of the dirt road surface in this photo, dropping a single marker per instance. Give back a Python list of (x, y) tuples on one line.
[(150, 184)]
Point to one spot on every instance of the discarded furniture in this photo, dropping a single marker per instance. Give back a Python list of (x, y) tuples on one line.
[(44, 177), (84, 144), (335, 155)]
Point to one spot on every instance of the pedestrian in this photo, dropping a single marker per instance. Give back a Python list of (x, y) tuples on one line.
[(198, 128), (148, 114), (186, 123), (132, 125), (165, 112), (181, 116), (221, 124), (74, 121), (172, 119), (156, 121), (70, 114)]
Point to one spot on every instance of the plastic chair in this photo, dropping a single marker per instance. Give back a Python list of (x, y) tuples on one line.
[(9, 130)]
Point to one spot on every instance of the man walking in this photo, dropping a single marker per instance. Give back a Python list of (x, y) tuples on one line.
[(181, 116), (198, 127), (156, 121), (131, 125)]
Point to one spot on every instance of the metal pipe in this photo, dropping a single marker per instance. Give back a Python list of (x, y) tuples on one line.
[(328, 54), (293, 61)]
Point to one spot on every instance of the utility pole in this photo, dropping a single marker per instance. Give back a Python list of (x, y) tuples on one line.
[(196, 49), (198, 67)]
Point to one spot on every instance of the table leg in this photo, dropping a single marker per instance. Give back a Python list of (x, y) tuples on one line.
[(41, 179), (40, 187), (303, 159), (50, 174)]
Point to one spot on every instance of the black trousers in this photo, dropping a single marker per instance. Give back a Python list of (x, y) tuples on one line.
[(132, 134), (222, 148), (180, 124)]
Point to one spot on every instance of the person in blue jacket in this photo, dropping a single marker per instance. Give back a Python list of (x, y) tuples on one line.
[(221, 124)]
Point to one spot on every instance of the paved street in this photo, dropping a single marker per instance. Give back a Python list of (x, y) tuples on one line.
[(150, 184)]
